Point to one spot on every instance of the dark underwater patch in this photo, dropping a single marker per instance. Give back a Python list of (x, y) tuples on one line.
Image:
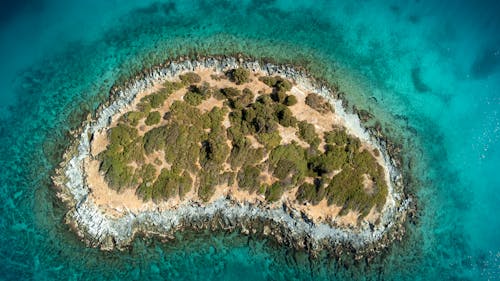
[(486, 63), (414, 19), (165, 8), (419, 85), (10, 9)]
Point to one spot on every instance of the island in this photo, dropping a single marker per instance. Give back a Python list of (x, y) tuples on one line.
[(225, 143)]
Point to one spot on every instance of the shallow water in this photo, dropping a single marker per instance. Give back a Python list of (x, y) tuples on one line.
[(430, 70)]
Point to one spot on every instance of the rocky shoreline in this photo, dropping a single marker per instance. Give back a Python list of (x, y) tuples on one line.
[(284, 224)]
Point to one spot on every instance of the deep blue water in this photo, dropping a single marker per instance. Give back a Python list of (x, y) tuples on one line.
[(429, 70)]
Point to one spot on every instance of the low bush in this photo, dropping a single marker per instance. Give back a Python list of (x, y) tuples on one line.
[(170, 87), (208, 180), (122, 135), (280, 87), (288, 162), (318, 103), (155, 100), (230, 92), (248, 178), (239, 75), (218, 94), (189, 78), (290, 100), (308, 133), (242, 153), (193, 98), (336, 136), (153, 118), (154, 139), (306, 192), (133, 117), (274, 192), (185, 184), (214, 150), (269, 140), (285, 117)]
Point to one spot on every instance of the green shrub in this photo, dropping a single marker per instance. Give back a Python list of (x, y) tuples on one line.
[(280, 87), (312, 193), (153, 118), (283, 85), (213, 119), (185, 183), (133, 117), (166, 185), (227, 178), (277, 82), (189, 78), (333, 159), (353, 144), (268, 80), (269, 140), (133, 152), (346, 188), (288, 162), (185, 114), (242, 153), (122, 135), (193, 98), (248, 178), (230, 92), (318, 103), (285, 117), (306, 192), (208, 181), (182, 146), (218, 94), (124, 148), (279, 96), (147, 174), (274, 192), (262, 189), (239, 75), (116, 172), (170, 87), (155, 100), (169, 184), (246, 97), (214, 150), (154, 139), (205, 89), (290, 100), (144, 106), (336, 136), (216, 77), (265, 100), (265, 120), (308, 133)]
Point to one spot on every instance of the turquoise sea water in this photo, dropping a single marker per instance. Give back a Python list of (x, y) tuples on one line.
[(429, 70)]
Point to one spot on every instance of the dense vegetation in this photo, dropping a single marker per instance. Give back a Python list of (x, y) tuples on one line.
[(189, 149)]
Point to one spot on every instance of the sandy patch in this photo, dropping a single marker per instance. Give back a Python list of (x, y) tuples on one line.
[(289, 134)]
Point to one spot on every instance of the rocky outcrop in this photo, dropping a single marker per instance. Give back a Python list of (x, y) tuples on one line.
[(285, 224)]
